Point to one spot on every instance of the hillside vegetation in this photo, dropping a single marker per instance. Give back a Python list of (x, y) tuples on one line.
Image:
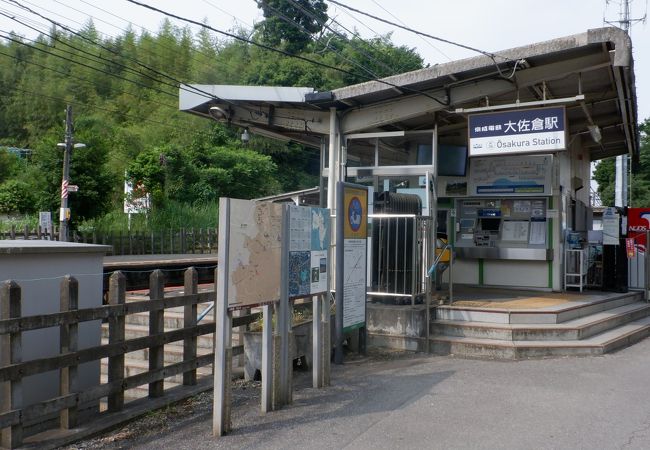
[(124, 93)]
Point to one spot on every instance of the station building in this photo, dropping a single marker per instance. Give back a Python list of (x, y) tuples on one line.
[(494, 153)]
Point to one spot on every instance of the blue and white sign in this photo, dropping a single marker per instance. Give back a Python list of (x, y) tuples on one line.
[(519, 131)]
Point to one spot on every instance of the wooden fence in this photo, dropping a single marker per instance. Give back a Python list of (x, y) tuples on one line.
[(15, 418), (183, 240)]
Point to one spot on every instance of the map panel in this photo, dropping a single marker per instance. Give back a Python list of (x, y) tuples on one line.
[(299, 274), (255, 251)]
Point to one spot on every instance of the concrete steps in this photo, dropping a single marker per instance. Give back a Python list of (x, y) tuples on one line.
[(575, 329), (137, 325), (592, 327)]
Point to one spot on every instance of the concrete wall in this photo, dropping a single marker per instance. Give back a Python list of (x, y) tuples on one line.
[(397, 327), (39, 272)]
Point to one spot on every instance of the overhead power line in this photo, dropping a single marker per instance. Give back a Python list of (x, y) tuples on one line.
[(282, 52), (490, 55), (176, 83), (402, 22)]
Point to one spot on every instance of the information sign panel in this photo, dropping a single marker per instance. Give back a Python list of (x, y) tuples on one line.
[(353, 271), (523, 175), (518, 131), (309, 237)]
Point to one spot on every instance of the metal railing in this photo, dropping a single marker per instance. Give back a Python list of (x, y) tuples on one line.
[(399, 256)]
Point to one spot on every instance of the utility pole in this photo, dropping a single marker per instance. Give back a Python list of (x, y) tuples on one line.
[(64, 212), (621, 180), (68, 145)]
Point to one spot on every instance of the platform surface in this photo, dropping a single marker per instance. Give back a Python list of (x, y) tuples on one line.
[(476, 298)]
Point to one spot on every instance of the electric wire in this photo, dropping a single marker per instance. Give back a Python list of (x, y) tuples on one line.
[(177, 84), (99, 108), (342, 36), (84, 80), (295, 24), (34, 47), (492, 56), (282, 52), (446, 41), (148, 51), (403, 23)]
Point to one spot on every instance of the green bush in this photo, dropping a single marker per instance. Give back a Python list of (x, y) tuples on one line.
[(16, 197)]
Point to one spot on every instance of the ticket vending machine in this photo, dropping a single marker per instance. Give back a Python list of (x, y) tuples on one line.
[(493, 228)]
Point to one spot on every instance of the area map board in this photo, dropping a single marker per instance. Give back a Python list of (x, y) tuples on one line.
[(257, 232), (354, 259), (309, 241), (254, 252)]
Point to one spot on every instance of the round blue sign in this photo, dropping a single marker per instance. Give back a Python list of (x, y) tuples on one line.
[(355, 212)]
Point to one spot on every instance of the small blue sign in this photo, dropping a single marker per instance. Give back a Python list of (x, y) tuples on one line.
[(355, 213)]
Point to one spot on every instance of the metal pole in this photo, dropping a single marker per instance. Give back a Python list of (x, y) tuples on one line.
[(67, 153), (283, 319), (338, 353)]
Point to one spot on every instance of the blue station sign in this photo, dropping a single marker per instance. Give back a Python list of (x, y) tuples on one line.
[(519, 131)]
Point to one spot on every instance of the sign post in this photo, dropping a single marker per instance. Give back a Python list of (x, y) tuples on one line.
[(351, 261)]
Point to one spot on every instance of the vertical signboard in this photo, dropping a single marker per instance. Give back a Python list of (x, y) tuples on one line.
[(518, 131), (355, 232), (638, 222), (309, 236)]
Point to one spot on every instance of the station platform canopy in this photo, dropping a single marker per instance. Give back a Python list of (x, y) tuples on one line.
[(590, 73)]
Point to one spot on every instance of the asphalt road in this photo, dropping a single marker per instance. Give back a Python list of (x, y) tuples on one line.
[(418, 401)]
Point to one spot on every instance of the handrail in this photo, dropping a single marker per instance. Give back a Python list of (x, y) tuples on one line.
[(205, 312), (431, 270), (446, 247)]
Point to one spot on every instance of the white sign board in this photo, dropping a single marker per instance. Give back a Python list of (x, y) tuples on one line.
[(45, 219), (135, 201), (518, 131)]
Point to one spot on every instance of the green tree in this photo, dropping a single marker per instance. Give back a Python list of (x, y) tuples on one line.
[(16, 197), (605, 174), (290, 23)]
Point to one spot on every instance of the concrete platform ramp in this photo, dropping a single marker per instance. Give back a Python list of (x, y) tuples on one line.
[(518, 325)]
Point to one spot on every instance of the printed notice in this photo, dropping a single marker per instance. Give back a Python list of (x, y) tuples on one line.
[(537, 233)]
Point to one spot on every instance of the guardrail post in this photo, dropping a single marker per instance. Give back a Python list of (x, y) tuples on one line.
[(68, 343), (191, 287), (116, 333), (11, 353), (156, 326)]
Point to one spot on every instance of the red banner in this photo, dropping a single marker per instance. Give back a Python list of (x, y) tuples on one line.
[(638, 222)]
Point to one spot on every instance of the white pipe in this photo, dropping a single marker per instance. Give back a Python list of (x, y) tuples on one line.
[(331, 173)]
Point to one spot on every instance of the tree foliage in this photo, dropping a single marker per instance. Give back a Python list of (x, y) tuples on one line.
[(290, 24), (124, 94), (605, 174)]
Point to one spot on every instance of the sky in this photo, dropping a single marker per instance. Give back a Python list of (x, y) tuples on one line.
[(487, 25)]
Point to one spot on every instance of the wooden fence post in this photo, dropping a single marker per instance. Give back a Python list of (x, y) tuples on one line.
[(189, 320), (156, 326), (68, 342), (116, 333), (11, 353)]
